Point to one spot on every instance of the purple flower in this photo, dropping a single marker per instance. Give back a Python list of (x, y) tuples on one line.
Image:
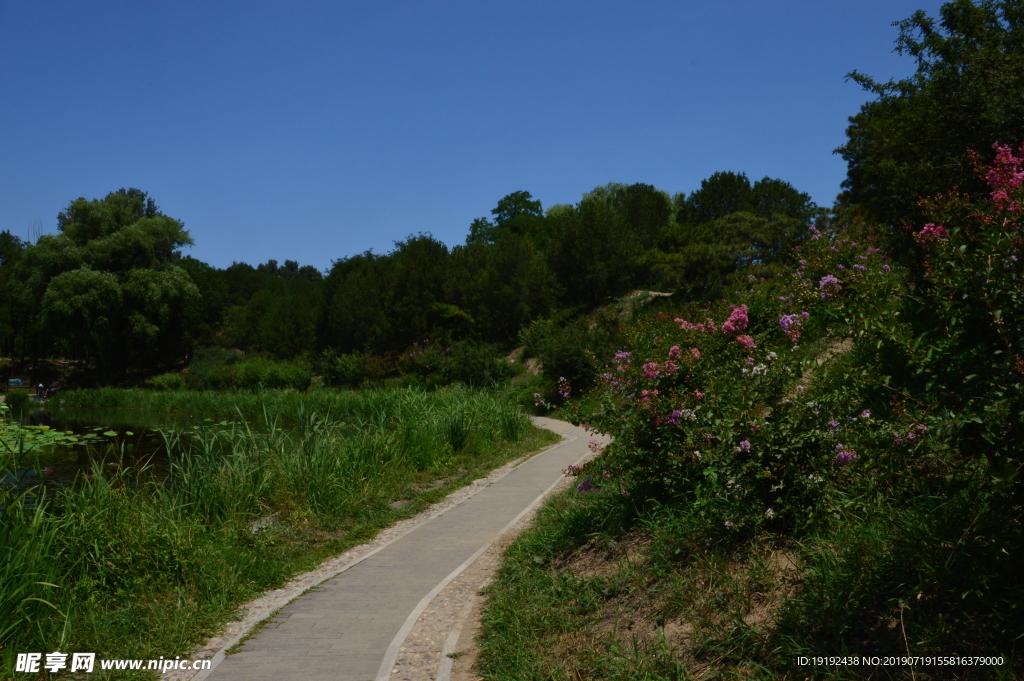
[(844, 455), (586, 486), (860, 268), (833, 427), (745, 446), (791, 323), (769, 514), (564, 389), (866, 414), (829, 284), (729, 524), (886, 268)]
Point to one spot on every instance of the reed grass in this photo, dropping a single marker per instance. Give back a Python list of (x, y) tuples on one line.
[(144, 563)]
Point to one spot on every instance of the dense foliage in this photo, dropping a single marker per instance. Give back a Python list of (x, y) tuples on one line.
[(968, 93), (113, 292)]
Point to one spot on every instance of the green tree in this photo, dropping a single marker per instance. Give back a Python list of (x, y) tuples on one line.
[(108, 287), (722, 194), (516, 213), (967, 93), (11, 249), (499, 288), (593, 254), (644, 209)]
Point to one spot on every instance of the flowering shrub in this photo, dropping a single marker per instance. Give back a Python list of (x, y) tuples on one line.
[(828, 378)]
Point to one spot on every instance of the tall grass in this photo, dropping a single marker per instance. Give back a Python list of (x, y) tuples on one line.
[(362, 407), (143, 563)]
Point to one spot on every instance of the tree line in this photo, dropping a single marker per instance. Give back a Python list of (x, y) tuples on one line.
[(113, 288)]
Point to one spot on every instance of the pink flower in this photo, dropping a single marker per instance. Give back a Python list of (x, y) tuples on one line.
[(1006, 177), (737, 320), (931, 233), (674, 352), (746, 342)]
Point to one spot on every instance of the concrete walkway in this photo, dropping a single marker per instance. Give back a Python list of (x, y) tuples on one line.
[(350, 628)]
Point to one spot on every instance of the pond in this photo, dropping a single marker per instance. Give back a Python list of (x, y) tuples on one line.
[(116, 440)]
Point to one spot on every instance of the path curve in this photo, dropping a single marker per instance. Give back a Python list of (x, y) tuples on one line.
[(353, 626)]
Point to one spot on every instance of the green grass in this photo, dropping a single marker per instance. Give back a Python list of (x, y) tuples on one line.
[(144, 563), (604, 588)]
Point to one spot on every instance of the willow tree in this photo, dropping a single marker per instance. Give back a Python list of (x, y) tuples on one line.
[(107, 288)]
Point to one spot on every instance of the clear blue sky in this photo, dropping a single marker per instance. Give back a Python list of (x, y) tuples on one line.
[(311, 131)]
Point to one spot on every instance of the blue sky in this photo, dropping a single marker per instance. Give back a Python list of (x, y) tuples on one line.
[(312, 131)]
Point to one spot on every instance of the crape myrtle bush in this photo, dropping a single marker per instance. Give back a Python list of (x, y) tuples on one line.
[(715, 408), (869, 408)]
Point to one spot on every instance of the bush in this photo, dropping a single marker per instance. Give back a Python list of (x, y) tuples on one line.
[(172, 380), (573, 355), (349, 369), (472, 364), (219, 369), (261, 373), (213, 369), (17, 400)]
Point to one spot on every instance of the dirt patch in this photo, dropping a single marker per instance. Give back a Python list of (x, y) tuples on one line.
[(423, 488), (606, 558)]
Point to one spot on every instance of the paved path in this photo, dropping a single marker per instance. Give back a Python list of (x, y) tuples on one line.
[(350, 628)]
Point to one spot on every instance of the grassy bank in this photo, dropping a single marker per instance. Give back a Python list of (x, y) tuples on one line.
[(605, 588), (128, 563)]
